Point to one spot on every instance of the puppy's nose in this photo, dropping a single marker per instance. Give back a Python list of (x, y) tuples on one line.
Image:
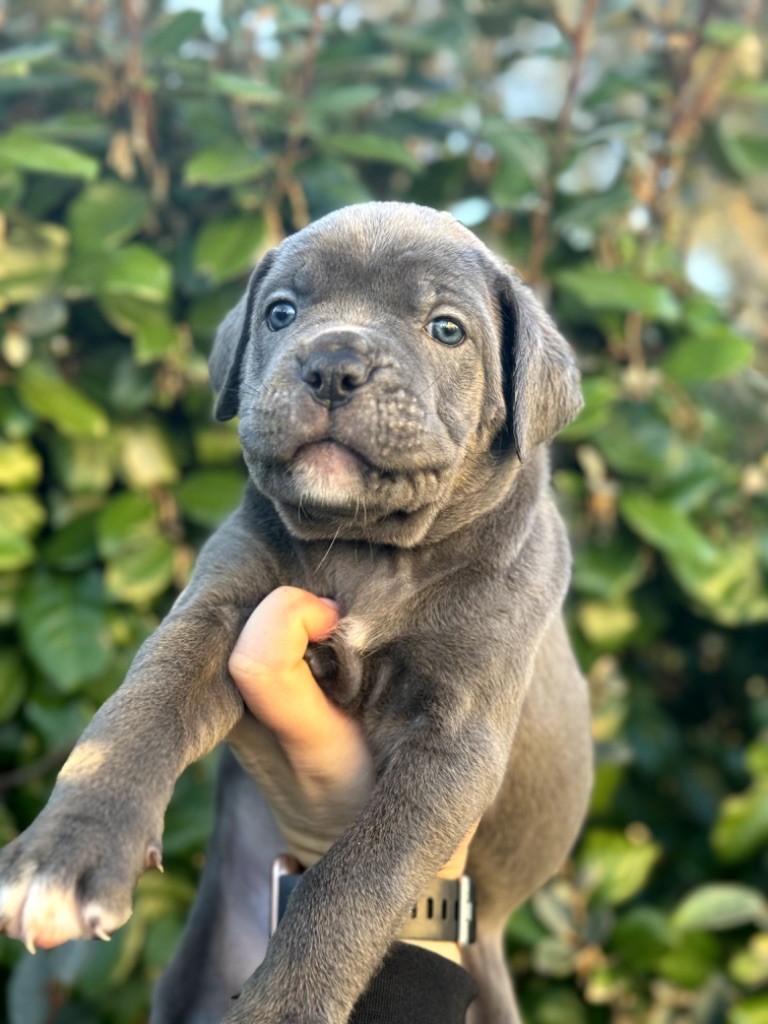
[(334, 375)]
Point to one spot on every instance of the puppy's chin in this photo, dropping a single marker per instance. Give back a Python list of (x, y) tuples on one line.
[(327, 473)]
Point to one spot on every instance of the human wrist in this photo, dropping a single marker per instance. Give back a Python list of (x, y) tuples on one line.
[(450, 950)]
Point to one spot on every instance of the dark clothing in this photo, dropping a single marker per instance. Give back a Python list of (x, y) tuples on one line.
[(415, 986)]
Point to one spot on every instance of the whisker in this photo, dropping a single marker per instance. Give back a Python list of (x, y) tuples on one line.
[(428, 387), (329, 548)]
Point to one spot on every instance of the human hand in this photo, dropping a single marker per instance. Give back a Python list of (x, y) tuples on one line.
[(309, 757)]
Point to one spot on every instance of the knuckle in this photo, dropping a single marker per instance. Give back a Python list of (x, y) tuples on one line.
[(291, 599)]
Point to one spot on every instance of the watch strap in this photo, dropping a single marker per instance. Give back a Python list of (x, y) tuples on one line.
[(445, 912)]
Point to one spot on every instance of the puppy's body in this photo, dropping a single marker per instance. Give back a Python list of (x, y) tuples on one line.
[(401, 472)]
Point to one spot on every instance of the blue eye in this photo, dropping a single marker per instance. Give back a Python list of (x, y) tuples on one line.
[(280, 315), (446, 331)]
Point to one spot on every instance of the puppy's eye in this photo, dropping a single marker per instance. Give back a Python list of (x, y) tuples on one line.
[(280, 314), (446, 331)]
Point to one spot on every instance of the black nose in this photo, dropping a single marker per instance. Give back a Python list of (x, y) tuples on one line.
[(334, 375)]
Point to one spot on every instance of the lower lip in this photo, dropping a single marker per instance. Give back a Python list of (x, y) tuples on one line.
[(330, 459)]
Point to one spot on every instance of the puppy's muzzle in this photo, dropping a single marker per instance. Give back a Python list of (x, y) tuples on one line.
[(334, 372)]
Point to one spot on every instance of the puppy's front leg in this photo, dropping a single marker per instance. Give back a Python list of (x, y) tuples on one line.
[(71, 873), (350, 906)]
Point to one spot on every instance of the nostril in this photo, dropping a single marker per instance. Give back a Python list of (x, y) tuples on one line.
[(334, 376)]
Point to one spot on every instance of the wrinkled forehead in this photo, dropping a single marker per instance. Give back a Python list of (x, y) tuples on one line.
[(408, 265)]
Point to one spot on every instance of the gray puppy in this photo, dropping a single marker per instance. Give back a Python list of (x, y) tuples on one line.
[(396, 386)]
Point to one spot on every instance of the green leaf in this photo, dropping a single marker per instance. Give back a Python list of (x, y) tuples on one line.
[(207, 496), (33, 257), (337, 102), (226, 164), (53, 399), (757, 758), (557, 1006), (666, 528), (553, 957), (642, 936), (106, 214), (64, 629), (717, 353), (21, 516), (141, 573), (16, 551), (20, 148), (73, 547), (608, 625), (721, 905), (741, 829), (749, 966), (22, 513), (127, 521), (523, 928), (609, 571), (377, 148), (620, 291), (519, 148), (167, 37), (13, 683), (731, 585), (146, 457), (752, 1010), (138, 271), (600, 393), (747, 154), (83, 465), (153, 333), (20, 465), (28, 988), (187, 827), (225, 249), (613, 868), (18, 59), (691, 960), (245, 90), (44, 316), (59, 720), (11, 187), (215, 445), (724, 32)]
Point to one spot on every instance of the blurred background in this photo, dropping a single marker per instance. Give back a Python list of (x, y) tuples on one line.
[(617, 153)]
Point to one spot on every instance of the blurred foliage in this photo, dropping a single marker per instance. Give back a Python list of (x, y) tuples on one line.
[(618, 154)]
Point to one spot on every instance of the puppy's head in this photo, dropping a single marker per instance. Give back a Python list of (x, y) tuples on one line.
[(380, 361)]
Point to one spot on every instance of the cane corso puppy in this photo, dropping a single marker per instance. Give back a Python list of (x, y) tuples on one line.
[(396, 385)]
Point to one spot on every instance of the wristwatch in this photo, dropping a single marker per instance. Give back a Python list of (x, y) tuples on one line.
[(445, 911)]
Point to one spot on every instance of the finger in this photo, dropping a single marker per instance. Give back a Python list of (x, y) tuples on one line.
[(277, 634), (267, 662)]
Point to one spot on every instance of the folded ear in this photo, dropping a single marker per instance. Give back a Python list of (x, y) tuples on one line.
[(541, 378), (229, 346)]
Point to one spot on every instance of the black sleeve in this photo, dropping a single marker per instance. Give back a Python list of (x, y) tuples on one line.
[(415, 986)]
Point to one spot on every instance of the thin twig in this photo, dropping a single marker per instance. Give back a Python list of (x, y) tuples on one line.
[(19, 777), (542, 216)]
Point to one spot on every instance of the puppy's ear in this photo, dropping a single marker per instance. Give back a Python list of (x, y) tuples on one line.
[(541, 378), (229, 346)]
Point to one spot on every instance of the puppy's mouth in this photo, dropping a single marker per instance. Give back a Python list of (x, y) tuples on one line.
[(331, 460), (330, 474)]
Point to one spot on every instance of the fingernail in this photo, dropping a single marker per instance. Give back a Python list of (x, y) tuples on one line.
[(331, 604)]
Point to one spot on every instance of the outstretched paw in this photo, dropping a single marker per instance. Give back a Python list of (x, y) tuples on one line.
[(69, 877)]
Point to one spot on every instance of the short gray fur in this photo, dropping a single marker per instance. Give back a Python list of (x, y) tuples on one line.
[(450, 569)]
